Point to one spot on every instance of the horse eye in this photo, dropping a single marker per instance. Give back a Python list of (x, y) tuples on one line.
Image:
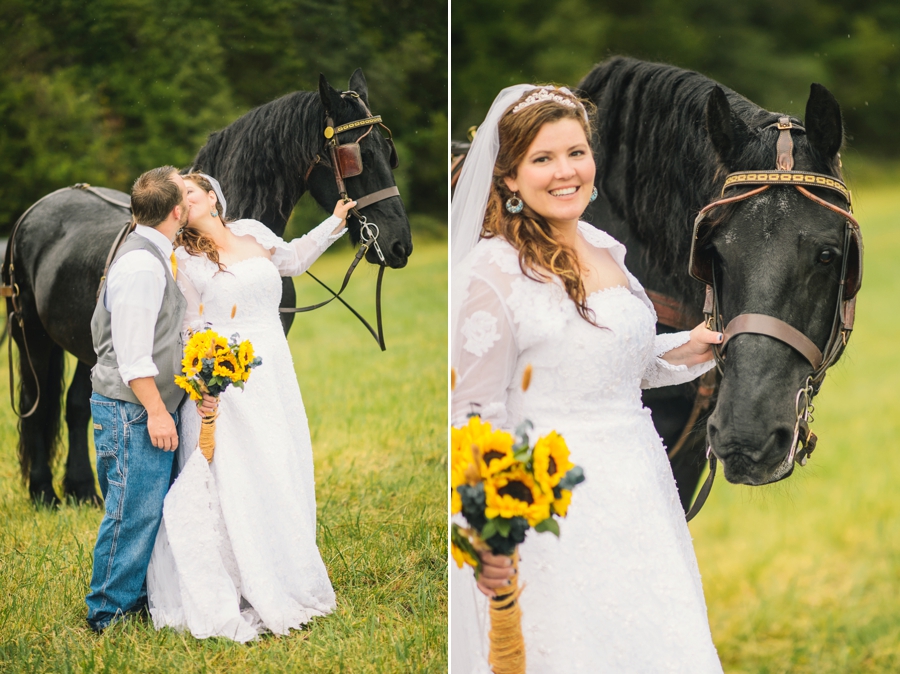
[(826, 256)]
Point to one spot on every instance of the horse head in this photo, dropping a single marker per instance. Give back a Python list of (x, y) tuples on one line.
[(779, 254), (357, 159)]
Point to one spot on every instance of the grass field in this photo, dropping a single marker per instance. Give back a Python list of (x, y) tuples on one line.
[(379, 438), (803, 576)]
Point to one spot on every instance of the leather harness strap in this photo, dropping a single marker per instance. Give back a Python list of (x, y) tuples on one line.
[(785, 145), (671, 312), (380, 195), (761, 324)]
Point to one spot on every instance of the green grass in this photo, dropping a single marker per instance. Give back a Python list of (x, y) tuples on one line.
[(803, 576), (378, 425)]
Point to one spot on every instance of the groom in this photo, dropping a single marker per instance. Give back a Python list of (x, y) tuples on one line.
[(136, 330)]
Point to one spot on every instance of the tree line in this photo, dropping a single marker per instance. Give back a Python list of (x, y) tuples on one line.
[(768, 50), (98, 91)]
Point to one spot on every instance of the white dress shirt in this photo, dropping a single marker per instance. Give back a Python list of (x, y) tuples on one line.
[(135, 285)]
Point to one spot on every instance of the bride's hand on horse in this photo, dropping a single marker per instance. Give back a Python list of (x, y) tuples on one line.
[(208, 406), (697, 350), (496, 570), (341, 211)]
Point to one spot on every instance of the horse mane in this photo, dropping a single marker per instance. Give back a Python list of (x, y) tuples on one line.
[(656, 164), (261, 158)]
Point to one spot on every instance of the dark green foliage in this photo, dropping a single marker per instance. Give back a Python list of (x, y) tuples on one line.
[(768, 51), (569, 480), (473, 504), (505, 544), (100, 91)]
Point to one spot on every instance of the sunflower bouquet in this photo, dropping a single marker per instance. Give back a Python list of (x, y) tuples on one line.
[(211, 364), (503, 486)]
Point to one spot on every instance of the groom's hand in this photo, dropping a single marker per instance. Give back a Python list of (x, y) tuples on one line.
[(160, 425), (162, 431)]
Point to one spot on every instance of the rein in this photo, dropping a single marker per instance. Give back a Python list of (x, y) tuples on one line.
[(702, 268)]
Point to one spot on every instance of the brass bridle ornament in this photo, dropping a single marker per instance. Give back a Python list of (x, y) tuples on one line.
[(701, 267)]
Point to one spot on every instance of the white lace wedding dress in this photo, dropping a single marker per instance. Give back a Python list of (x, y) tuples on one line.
[(236, 552), (619, 591)]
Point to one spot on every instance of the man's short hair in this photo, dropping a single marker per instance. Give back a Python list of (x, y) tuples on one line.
[(154, 195)]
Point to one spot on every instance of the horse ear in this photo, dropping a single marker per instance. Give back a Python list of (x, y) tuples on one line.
[(329, 96), (727, 131), (358, 84), (824, 127)]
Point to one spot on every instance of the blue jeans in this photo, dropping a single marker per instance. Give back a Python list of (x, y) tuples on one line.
[(134, 478)]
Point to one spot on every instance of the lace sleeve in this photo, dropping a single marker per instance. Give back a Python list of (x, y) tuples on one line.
[(660, 372), (294, 257), (485, 353), (297, 256)]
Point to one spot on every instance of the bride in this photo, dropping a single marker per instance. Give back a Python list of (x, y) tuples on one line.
[(236, 552), (619, 591)]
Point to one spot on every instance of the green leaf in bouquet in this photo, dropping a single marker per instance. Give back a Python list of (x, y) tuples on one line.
[(506, 545), (573, 477), (503, 526), (238, 384), (490, 528), (548, 524)]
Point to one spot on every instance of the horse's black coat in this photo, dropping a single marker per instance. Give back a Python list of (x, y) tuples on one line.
[(665, 139), (61, 245)]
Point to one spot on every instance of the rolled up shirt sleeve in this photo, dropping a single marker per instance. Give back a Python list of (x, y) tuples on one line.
[(134, 294)]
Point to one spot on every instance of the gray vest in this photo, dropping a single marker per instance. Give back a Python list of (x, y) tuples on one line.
[(167, 342)]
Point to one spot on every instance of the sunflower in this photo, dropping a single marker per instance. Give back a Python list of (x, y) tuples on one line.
[(551, 460), (218, 345), (496, 453), (561, 505), (465, 443), (245, 353), (187, 385), (227, 366), (461, 557), (515, 493)]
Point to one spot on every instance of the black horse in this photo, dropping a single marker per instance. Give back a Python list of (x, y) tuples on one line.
[(265, 161), (665, 140)]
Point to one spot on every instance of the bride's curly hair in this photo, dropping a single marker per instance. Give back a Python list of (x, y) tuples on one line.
[(193, 241), (529, 233)]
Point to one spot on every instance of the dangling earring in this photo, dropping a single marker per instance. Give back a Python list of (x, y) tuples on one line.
[(514, 204), (215, 213), (594, 194)]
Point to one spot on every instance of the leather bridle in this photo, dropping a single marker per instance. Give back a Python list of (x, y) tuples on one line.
[(346, 162), (702, 268)]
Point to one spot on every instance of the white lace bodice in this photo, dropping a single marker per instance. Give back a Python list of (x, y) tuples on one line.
[(509, 320), (196, 272)]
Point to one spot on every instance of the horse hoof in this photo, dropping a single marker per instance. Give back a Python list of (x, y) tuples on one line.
[(44, 497), (83, 493)]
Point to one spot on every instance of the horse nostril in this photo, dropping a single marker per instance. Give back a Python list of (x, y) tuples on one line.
[(399, 250)]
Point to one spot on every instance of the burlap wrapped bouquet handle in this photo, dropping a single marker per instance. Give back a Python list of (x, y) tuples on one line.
[(208, 435), (507, 655)]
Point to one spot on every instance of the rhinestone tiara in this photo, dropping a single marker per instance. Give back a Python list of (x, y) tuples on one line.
[(542, 95)]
